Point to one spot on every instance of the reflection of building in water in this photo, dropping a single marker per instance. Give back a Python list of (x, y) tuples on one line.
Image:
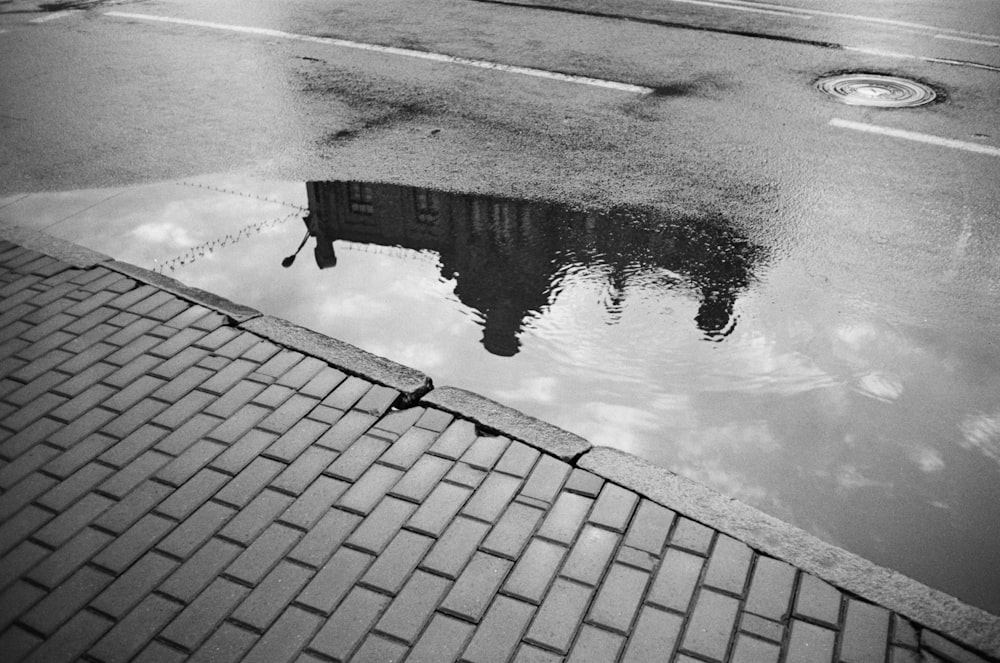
[(507, 256)]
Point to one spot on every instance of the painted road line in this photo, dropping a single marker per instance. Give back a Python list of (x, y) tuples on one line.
[(749, 7), (392, 50), (53, 16), (856, 17), (918, 137), (925, 58)]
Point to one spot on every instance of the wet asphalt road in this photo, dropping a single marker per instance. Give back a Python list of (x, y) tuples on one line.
[(879, 246)]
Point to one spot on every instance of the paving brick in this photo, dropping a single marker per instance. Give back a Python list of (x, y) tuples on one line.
[(193, 430), (134, 543), (36, 389), (455, 440), (132, 350), (240, 454), (288, 414), (595, 645), (711, 625), (485, 451), (397, 562), (500, 631), (530, 654), (194, 531), (866, 633), (324, 382), (133, 393), (585, 483), (435, 420), (770, 589), (453, 550), (24, 493), (246, 485), (492, 497), (810, 643), (182, 385), (406, 616), (752, 650), (71, 640), (190, 462), (80, 382), (345, 629), (124, 424), (136, 630), (28, 371), (761, 627), (134, 506), (729, 565), (159, 652), (297, 439), (459, 473), (475, 588), (69, 522), (901, 655), (534, 571), (817, 601), (70, 597), (443, 640), (324, 538), (933, 642), (92, 315), (404, 452), (133, 474), (332, 583), (439, 509), (591, 554), (134, 445), (546, 479), (16, 600), (28, 437), (67, 559), (263, 554), (903, 631), (614, 507), (346, 431), (347, 393), (377, 401), (304, 470), (179, 363), (19, 559), (373, 485), (227, 645), (21, 526), (512, 531), (74, 408), (239, 395), (198, 571), (186, 499), (381, 525), (199, 619), (45, 338), (29, 461), (618, 598), (91, 355), (676, 580), (692, 536), (136, 368), (272, 595), (134, 584), (235, 426), (565, 518), (357, 458), (655, 636), (314, 502), (255, 516), (38, 408), (421, 478)]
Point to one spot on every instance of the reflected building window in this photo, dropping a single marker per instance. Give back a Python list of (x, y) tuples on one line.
[(361, 198), (427, 207)]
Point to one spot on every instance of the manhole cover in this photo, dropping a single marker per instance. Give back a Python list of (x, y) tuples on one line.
[(875, 90)]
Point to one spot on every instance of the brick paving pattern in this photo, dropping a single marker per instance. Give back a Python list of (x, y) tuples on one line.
[(175, 488)]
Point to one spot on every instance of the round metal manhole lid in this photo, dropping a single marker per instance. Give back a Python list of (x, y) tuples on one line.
[(876, 90)]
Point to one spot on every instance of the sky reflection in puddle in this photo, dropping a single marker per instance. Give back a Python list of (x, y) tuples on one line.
[(678, 340)]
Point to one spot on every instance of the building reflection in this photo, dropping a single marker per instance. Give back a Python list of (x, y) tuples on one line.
[(508, 257)]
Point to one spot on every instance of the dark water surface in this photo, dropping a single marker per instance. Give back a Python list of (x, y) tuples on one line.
[(811, 382)]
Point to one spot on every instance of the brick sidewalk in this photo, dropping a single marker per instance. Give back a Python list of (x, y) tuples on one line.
[(176, 486)]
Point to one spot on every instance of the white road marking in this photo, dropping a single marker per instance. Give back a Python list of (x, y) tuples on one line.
[(915, 136), (967, 40), (748, 7), (53, 16), (906, 56), (856, 17), (392, 50)]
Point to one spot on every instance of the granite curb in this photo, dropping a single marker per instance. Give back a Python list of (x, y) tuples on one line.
[(508, 421), (930, 608)]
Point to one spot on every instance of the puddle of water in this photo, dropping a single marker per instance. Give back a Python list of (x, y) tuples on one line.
[(678, 340)]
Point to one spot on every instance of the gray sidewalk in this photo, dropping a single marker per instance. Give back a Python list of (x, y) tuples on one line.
[(183, 478)]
